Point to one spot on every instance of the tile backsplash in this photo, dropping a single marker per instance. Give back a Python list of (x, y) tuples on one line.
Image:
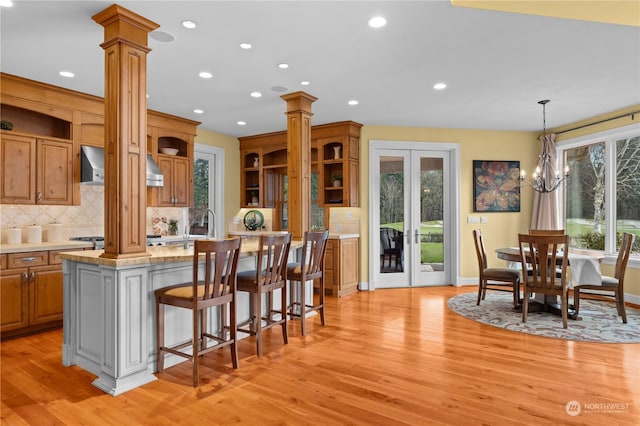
[(86, 219)]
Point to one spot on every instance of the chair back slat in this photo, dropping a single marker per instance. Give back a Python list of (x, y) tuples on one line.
[(315, 244), (272, 259), (480, 250), (545, 254), (220, 266), (623, 255)]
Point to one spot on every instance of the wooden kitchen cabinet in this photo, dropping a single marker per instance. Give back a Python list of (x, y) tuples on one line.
[(36, 170), (341, 266), (177, 181), (31, 293)]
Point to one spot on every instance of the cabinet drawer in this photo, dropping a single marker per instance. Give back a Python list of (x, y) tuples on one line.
[(54, 256), (27, 259), (3, 261)]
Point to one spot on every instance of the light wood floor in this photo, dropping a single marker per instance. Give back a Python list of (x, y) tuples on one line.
[(386, 357)]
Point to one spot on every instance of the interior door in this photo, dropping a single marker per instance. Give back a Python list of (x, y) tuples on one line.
[(412, 215)]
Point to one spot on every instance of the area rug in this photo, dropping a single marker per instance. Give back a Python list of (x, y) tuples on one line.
[(599, 320)]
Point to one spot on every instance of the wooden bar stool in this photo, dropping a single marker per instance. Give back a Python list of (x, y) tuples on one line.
[(217, 288), (270, 275), (311, 267)]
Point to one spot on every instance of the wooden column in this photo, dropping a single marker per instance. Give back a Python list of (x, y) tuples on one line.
[(125, 124), (299, 161)]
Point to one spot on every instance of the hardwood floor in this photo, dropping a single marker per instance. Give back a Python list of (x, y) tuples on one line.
[(386, 357)]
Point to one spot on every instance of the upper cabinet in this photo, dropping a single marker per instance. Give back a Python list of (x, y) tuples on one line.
[(334, 157), (170, 140), (40, 154), (36, 170)]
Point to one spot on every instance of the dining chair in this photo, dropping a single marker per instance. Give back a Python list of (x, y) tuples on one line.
[(546, 232), (614, 284), (391, 245), (310, 268), (213, 285), (545, 254), (494, 278), (270, 275)]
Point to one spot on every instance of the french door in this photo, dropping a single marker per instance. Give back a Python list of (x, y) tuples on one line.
[(414, 209)]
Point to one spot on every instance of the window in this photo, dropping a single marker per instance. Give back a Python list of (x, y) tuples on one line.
[(602, 198)]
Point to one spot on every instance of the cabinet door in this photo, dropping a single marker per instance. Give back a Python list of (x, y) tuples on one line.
[(165, 193), (45, 294), (181, 180), (54, 175), (13, 299), (18, 173)]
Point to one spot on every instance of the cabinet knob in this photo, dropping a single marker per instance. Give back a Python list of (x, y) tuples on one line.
[(32, 276), (39, 196), (24, 278)]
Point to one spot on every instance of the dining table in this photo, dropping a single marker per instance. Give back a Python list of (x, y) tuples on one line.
[(584, 267)]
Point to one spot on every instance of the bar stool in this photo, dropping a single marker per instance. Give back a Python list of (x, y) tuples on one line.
[(217, 288), (310, 267), (270, 275)]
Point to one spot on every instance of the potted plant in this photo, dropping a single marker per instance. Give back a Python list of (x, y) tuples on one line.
[(336, 179)]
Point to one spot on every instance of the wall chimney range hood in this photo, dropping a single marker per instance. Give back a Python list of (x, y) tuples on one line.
[(92, 167)]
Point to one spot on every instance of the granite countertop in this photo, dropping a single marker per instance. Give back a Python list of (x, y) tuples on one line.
[(343, 236), (59, 245), (156, 254)]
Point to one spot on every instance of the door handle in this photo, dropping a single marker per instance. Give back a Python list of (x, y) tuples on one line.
[(417, 236)]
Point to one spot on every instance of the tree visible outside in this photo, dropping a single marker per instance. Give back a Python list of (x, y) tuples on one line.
[(586, 193), (431, 211)]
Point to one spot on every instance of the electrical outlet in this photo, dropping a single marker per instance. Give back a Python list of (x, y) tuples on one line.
[(349, 214)]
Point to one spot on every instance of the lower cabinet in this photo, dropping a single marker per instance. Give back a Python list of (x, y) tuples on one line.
[(31, 293), (341, 266)]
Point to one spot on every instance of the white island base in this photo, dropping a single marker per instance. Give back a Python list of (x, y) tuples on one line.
[(109, 312)]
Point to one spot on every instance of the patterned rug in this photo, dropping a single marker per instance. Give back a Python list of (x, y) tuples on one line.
[(599, 320)]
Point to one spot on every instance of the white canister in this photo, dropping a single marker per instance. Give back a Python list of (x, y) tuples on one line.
[(54, 232), (34, 234), (14, 236)]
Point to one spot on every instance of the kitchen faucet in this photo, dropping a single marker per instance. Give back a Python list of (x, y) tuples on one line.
[(212, 225)]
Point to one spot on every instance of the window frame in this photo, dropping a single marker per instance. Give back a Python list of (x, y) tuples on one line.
[(609, 138)]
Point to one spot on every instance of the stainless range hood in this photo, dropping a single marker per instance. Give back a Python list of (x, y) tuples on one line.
[(92, 167)]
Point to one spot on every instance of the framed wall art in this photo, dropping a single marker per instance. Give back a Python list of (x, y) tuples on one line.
[(496, 186)]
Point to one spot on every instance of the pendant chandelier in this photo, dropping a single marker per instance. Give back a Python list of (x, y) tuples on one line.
[(546, 178)]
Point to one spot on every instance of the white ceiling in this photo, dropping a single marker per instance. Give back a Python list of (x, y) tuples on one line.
[(497, 65)]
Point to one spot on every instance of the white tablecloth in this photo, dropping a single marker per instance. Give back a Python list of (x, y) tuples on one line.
[(584, 269)]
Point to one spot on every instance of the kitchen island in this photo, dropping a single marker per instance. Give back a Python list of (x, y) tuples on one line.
[(109, 311)]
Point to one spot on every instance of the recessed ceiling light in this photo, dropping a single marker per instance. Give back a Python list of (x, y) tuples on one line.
[(377, 22), (304, 83), (353, 102), (283, 66), (189, 24), (246, 46), (67, 74), (205, 74), (440, 86), (6, 3), (242, 123), (256, 94), (198, 111)]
